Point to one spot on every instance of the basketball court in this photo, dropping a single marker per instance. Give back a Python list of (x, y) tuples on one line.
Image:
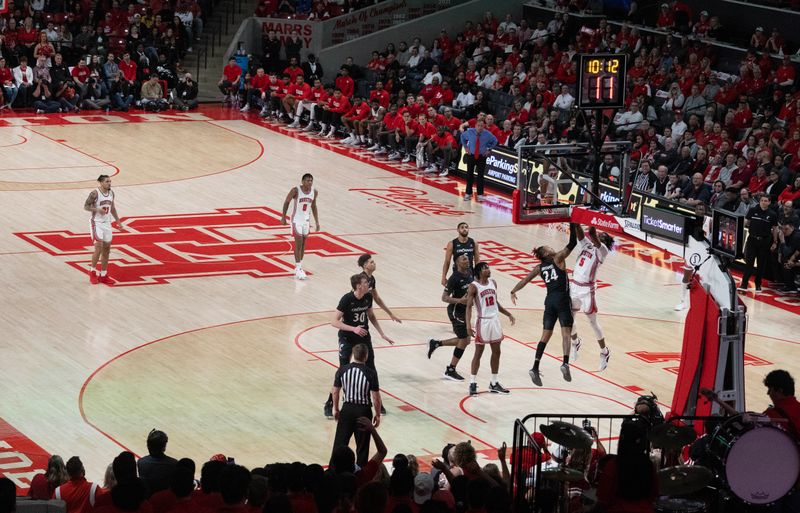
[(207, 336)]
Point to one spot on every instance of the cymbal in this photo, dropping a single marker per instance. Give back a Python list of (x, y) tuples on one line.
[(566, 434), (683, 479), (563, 474), (669, 436)]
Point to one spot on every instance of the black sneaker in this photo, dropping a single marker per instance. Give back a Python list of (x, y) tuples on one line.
[(383, 410), (535, 377), (473, 389), (328, 410), (451, 374), (497, 388), (565, 372), (432, 346)]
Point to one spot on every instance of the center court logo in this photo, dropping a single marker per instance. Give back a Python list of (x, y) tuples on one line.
[(410, 201), (157, 249)]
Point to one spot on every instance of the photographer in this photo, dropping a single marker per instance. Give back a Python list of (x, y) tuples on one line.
[(94, 94), (186, 97), (121, 99)]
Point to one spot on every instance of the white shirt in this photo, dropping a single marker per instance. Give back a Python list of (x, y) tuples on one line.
[(414, 60), (464, 99), (17, 72), (564, 101), (539, 36), (628, 120), (507, 25), (430, 76), (678, 128)]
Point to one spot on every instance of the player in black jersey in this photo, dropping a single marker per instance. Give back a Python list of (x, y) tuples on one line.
[(352, 318), (455, 295), (557, 303), (462, 244), (367, 264)]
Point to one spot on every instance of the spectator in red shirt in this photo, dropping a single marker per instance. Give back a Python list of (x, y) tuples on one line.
[(352, 121), (383, 131), (345, 83), (293, 70), (380, 95), (44, 485), (331, 115), (127, 68), (318, 95), (8, 88), (256, 95), (441, 144), (759, 181), (404, 127), (431, 91), (451, 122), (492, 127), (78, 493), (229, 83), (666, 18), (785, 74), (425, 130), (298, 91)]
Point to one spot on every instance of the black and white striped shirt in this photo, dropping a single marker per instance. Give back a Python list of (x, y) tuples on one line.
[(356, 381)]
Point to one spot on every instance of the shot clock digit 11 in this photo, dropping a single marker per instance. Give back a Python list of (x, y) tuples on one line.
[(601, 81)]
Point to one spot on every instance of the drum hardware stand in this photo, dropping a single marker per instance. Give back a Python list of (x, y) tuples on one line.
[(730, 367)]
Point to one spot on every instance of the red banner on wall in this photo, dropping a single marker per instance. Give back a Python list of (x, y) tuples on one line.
[(20, 457)]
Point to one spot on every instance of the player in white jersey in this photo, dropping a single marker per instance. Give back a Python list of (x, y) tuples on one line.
[(101, 204), (483, 294), (305, 203), (593, 251)]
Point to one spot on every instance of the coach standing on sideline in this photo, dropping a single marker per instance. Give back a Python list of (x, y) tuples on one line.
[(359, 384), (477, 144), (762, 239)]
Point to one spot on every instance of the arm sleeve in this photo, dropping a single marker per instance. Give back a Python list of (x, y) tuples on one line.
[(573, 237)]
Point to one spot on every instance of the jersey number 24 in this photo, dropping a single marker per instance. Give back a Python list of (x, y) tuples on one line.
[(549, 275)]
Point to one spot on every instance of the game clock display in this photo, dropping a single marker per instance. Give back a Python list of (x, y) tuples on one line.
[(601, 81), (727, 234)]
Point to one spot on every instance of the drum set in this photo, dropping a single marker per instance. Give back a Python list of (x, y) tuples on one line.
[(748, 461)]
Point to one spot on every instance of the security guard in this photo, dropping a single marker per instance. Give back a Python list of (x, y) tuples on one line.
[(762, 223)]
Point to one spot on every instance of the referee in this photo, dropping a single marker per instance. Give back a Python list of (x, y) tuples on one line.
[(762, 224), (359, 384)]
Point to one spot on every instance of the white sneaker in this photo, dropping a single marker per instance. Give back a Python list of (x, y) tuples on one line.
[(301, 275), (331, 133), (407, 158), (445, 172), (480, 197), (467, 197), (245, 108), (431, 169), (380, 151), (309, 127), (576, 346), (294, 124), (604, 357), (374, 147), (680, 306), (347, 140)]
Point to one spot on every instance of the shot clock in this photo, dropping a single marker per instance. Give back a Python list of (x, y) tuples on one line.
[(601, 81)]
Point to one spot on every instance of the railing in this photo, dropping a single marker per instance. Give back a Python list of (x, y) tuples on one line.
[(527, 456)]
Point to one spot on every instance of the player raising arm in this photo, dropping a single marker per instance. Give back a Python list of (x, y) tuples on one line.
[(557, 303)]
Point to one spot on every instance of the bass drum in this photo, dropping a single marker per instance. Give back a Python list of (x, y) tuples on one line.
[(758, 460)]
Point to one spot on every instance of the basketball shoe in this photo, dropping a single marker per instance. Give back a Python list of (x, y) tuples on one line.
[(451, 374), (497, 388), (432, 346), (605, 356), (327, 410), (473, 389), (535, 377), (565, 372), (94, 279), (383, 410), (576, 346)]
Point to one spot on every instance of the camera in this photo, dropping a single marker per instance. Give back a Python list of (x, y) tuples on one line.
[(587, 426)]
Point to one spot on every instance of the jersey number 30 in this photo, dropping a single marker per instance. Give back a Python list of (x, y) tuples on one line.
[(359, 317)]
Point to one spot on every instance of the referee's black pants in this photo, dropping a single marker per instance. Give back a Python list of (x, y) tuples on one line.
[(347, 427), (475, 164), (757, 248)]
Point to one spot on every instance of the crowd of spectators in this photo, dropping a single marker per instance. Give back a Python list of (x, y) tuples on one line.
[(698, 135), (309, 9), (67, 55)]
